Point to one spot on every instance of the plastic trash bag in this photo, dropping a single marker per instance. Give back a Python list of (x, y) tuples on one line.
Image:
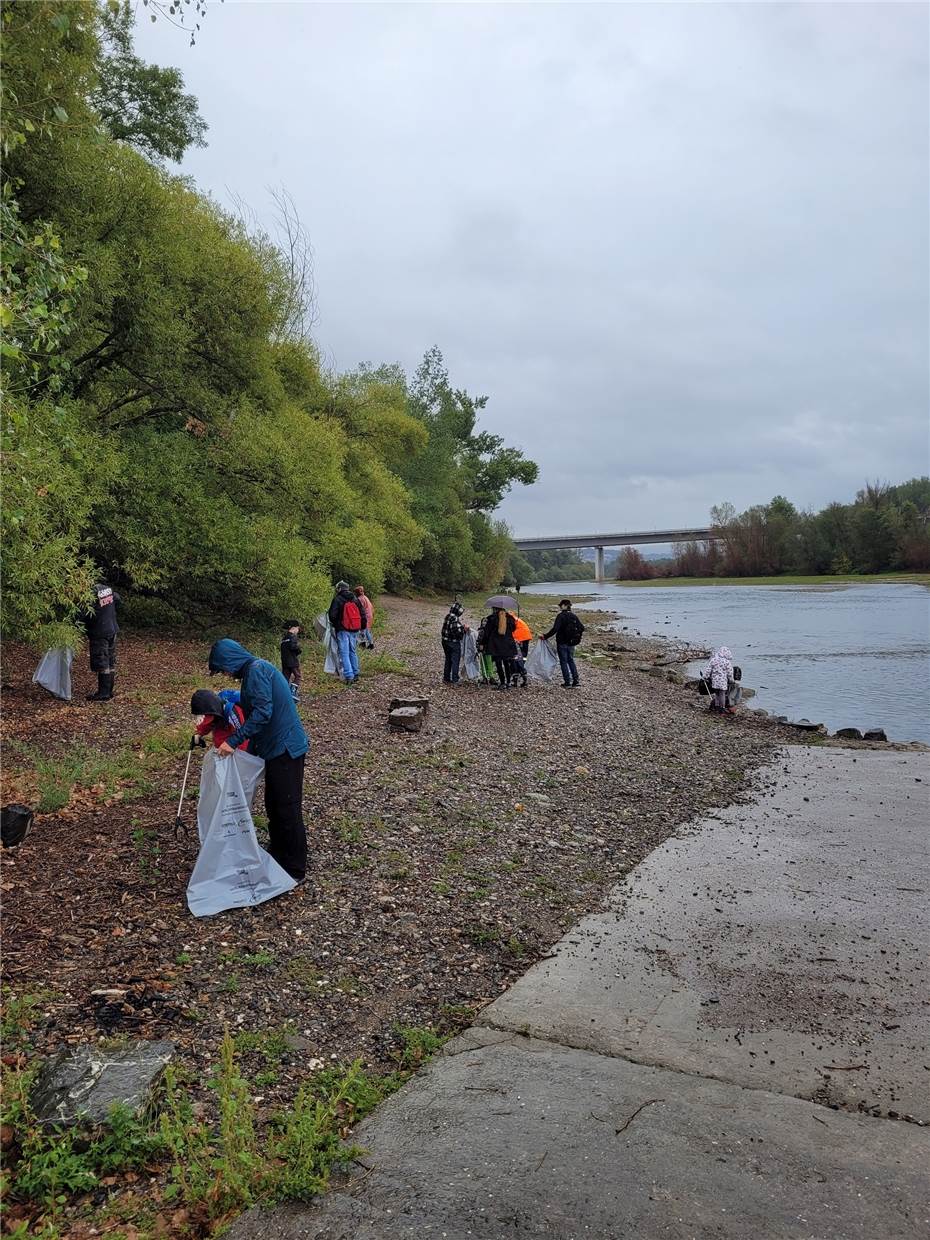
[(232, 871), (332, 663), (470, 657), (542, 663), (54, 672)]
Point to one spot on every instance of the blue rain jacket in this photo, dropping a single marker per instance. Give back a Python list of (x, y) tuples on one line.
[(271, 720)]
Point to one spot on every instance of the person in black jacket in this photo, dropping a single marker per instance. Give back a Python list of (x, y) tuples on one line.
[(346, 620), (290, 657), (102, 629), (452, 636), (567, 631), (499, 643)]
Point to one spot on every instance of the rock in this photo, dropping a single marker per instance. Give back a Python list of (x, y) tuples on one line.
[(295, 1042), (422, 703), (675, 678), (848, 734), (86, 1083), (874, 734), (407, 718), (747, 693), (805, 725)]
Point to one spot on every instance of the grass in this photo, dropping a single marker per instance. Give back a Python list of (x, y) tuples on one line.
[(824, 579), (212, 1167)]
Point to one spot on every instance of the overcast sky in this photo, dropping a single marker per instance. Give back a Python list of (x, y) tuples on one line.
[(682, 248)]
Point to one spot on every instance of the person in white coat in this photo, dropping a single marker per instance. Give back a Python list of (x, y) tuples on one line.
[(720, 673)]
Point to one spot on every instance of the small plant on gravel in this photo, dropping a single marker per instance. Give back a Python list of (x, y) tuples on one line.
[(348, 830), (418, 1044), (20, 1014), (303, 971), (258, 960)]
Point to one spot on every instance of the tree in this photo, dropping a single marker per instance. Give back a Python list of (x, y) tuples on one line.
[(140, 104), (631, 566)]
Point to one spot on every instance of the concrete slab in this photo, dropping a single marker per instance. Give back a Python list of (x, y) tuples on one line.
[(522, 1138), (781, 945)]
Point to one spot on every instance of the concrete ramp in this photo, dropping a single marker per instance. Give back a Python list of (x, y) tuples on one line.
[(727, 1052)]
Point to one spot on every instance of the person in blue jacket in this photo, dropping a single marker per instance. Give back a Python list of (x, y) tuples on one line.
[(273, 729)]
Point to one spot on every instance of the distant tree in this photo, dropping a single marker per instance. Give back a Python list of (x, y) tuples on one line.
[(631, 566)]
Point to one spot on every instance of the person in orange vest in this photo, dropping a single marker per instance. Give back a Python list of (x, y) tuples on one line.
[(522, 635)]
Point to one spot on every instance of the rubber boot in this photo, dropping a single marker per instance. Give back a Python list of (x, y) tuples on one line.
[(109, 678), (101, 694)]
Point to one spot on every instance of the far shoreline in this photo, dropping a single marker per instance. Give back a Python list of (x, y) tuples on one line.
[(787, 579)]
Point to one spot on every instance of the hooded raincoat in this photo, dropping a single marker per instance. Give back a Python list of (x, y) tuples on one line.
[(720, 668), (272, 725)]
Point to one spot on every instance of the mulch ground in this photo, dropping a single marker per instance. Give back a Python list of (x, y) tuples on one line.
[(443, 864)]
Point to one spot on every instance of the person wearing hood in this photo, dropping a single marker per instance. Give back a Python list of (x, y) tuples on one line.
[(345, 618), (273, 729), (102, 629), (368, 618), (219, 715), (500, 645), (452, 635), (720, 672)]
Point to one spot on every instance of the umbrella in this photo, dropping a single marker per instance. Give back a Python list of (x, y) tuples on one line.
[(506, 601)]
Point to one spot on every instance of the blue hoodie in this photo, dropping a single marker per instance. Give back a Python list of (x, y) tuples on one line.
[(271, 720)]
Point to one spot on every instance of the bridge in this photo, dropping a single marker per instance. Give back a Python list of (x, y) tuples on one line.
[(565, 542)]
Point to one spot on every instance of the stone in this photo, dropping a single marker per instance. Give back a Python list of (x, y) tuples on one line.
[(296, 1042), (805, 725), (848, 734), (874, 734), (87, 1082), (407, 718), (401, 703)]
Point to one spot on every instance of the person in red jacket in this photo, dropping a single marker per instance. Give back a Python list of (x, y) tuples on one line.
[(221, 716)]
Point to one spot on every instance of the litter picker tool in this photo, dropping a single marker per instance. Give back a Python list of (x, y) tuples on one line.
[(179, 821)]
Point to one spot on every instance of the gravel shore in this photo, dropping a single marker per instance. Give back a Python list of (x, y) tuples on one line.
[(443, 863)]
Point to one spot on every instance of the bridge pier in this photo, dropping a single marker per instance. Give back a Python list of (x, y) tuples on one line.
[(599, 565)]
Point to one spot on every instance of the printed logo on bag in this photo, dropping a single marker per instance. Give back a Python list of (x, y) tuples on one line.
[(105, 597)]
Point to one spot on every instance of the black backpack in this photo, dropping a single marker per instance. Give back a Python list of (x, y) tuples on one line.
[(572, 630)]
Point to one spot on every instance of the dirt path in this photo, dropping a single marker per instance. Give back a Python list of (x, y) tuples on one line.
[(442, 864)]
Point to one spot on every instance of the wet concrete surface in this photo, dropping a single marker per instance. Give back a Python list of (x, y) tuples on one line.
[(717, 1055), (783, 945)]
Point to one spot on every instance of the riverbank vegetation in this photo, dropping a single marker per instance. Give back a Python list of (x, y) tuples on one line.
[(168, 422), (885, 529)]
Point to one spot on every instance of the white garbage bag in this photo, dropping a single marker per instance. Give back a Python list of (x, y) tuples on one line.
[(54, 672), (332, 664), (542, 663), (470, 657), (231, 870)]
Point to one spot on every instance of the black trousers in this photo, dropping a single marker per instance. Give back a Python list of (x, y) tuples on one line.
[(504, 669), (103, 654), (284, 788)]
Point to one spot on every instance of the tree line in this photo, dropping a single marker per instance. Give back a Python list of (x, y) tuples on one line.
[(168, 424), (885, 528)]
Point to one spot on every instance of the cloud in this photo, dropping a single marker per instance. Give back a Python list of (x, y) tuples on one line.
[(682, 248)]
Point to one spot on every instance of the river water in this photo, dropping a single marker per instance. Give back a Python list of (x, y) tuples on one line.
[(848, 656)]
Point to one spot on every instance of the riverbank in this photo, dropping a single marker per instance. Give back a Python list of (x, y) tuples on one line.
[(729, 1049), (443, 865), (786, 579)]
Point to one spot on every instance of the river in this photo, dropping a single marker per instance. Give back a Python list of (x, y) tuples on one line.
[(844, 655)]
